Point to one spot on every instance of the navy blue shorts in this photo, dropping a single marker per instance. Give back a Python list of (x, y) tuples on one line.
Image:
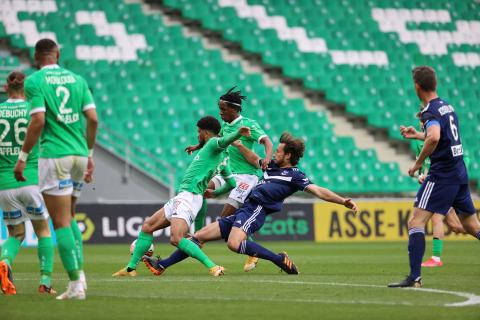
[(439, 198), (250, 218)]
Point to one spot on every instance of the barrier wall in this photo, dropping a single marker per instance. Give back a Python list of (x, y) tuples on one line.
[(322, 222)]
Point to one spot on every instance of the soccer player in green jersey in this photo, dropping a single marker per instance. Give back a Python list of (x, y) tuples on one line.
[(179, 212), (21, 201), (451, 219), (230, 106), (58, 100)]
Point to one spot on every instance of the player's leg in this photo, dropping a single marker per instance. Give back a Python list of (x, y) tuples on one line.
[(14, 217), (471, 224), (46, 253), (453, 222), (208, 233), (430, 198), (34, 203), (78, 171), (10, 248), (56, 187), (202, 213), (179, 229), (416, 248), (145, 239), (464, 206), (249, 219), (236, 199), (438, 234), (181, 215)]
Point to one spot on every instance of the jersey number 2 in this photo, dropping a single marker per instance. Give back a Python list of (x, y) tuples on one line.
[(63, 91), (16, 129)]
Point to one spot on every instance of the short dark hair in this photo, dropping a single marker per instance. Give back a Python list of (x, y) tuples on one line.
[(45, 46), (234, 98), (15, 81), (425, 77), (209, 123), (294, 146)]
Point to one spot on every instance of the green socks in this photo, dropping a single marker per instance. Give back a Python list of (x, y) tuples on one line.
[(67, 250), (200, 219), (194, 251), (142, 245), (437, 247), (10, 250), (77, 234), (45, 256)]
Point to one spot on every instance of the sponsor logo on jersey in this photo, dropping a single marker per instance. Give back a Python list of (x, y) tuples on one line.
[(457, 150)]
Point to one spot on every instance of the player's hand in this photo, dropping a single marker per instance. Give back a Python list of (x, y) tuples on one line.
[(191, 149), (265, 163), (416, 166), (88, 176), (421, 178), (209, 194), (408, 132), (350, 204), (237, 143), (244, 131), (18, 170)]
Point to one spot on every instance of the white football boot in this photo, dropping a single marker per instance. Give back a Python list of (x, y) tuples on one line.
[(75, 291)]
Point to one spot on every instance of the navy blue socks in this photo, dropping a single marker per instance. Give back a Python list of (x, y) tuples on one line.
[(253, 249), (416, 250)]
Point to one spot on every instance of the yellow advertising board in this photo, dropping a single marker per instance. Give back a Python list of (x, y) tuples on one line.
[(375, 221)]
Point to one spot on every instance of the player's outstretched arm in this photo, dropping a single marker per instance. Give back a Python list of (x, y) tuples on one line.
[(248, 154), (34, 130), (411, 133), (227, 140), (330, 196)]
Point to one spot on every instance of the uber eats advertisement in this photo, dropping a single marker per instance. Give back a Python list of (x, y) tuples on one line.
[(321, 222), (121, 223)]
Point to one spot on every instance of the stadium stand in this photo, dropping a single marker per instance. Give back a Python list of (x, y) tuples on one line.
[(360, 53), (151, 82)]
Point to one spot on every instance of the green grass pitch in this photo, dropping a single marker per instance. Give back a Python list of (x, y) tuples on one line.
[(337, 281)]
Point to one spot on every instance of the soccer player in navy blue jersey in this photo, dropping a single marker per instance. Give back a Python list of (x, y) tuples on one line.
[(446, 185), (280, 180)]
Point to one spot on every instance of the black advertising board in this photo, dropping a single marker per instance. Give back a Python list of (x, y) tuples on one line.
[(120, 223)]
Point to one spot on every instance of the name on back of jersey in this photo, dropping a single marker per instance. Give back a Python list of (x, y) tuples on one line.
[(443, 110), (68, 118), (457, 150), (13, 113), (60, 80)]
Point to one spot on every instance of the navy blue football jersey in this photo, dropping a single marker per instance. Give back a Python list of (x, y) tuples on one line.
[(278, 184), (447, 164)]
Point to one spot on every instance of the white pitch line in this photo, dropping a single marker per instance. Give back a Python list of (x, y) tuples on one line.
[(472, 299)]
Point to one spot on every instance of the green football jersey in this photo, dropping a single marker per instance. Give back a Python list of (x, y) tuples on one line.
[(63, 96), (203, 167), (238, 163), (13, 126)]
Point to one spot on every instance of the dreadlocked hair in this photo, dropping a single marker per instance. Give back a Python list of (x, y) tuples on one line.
[(234, 98)]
